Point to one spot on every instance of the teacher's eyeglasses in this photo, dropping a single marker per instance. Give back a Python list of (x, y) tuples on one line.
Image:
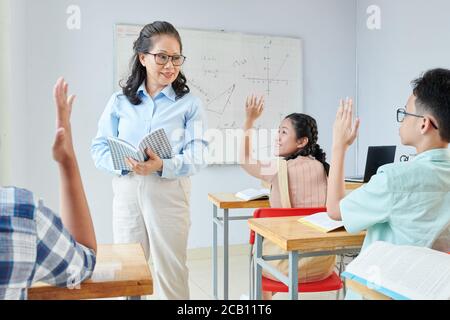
[(162, 59), (401, 115)]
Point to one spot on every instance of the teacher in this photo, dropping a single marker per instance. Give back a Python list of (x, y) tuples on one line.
[(151, 202)]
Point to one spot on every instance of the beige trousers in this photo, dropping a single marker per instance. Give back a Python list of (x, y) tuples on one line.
[(156, 213)]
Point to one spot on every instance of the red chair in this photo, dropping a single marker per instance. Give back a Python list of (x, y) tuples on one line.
[(332, 283)]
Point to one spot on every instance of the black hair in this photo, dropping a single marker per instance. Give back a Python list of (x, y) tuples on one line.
[(432, 91), (306, 126), (138, 74)]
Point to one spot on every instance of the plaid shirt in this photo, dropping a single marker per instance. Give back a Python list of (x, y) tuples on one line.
[(35, 247)]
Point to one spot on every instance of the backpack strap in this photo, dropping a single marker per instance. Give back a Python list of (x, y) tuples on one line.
[(283, 183)]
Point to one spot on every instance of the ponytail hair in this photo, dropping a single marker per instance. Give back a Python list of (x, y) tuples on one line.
[(306, 127), (138, 74)]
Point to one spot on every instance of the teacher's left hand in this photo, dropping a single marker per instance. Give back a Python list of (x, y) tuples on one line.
[(153, 164)]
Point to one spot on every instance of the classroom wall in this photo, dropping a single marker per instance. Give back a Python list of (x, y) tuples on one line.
[(414, 37), (44, 49), (5, 157), (20, 137)]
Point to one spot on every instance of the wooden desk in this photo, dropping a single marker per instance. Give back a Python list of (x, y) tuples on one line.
[(350, 186), (121, 270), (300, 241), (230, 201), (364, 291), (227, 201)]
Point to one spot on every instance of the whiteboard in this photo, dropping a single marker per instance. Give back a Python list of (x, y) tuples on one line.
[(223, 68)]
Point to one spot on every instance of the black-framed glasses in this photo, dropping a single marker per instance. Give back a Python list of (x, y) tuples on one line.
[(163, 58), (401, 115)]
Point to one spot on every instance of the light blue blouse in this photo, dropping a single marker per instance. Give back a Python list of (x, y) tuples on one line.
[(183, 120)]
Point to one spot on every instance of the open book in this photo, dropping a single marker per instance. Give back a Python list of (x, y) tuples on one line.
[(156, 141), (322, 222), (402, 272), (253, 194)]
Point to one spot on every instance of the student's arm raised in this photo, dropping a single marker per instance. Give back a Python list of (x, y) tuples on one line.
[(254, 107), (75, 212), (344, 134)]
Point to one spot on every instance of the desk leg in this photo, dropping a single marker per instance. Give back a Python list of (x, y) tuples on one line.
[(258, 272), (225, 254), (214, 253), (293, 275)]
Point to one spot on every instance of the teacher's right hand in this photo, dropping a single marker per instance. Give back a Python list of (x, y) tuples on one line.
[(152, 165)]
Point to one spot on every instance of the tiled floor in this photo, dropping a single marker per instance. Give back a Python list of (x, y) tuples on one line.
[(201, 281)]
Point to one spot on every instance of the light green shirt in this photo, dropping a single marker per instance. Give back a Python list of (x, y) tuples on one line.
[(405, 203)]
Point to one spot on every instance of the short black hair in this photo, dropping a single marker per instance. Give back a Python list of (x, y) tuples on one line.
[(432, 91)]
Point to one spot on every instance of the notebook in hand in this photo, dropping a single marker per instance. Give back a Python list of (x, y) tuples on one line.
[(381, 267), (253, 194), (156, 141), (322, 222)]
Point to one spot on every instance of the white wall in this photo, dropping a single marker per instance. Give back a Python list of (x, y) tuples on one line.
[(5, 148), (21, 159), (45, 49), (414, 37)]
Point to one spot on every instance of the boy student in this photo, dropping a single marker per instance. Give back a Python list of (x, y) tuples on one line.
[(404, 203), (37, 245)]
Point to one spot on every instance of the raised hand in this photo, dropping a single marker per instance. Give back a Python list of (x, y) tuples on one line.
[(63, 146), (254, 107), (345, 129), (74, 211)]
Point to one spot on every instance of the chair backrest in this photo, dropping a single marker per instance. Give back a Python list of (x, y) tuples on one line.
[(282, 212)]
